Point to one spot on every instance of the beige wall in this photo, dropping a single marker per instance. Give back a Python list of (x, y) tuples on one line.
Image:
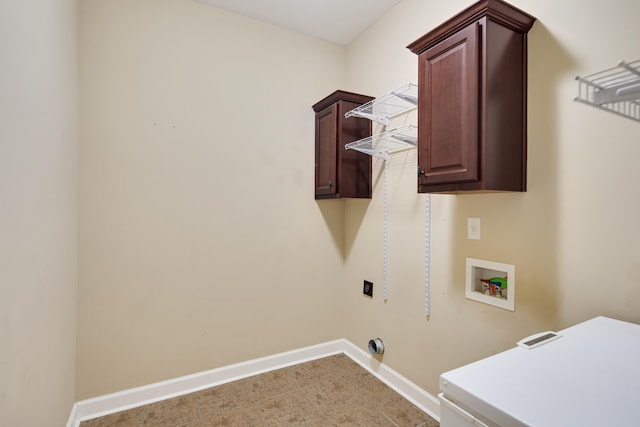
[(38, 178), (200, 241), (201, 244), (571, 237)]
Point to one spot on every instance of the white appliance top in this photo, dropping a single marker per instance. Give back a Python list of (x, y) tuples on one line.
[(590, 376)]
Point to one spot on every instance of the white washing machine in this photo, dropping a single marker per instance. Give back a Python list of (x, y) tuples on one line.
[(586, 375)]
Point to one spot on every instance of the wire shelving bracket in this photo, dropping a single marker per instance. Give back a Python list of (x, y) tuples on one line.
[(383, 108), (616, 90)]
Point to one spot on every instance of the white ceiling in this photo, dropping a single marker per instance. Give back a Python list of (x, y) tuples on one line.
[(338, 21)]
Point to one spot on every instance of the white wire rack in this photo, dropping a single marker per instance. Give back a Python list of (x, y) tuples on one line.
[(616, 90), (383, 144), (383, 108)]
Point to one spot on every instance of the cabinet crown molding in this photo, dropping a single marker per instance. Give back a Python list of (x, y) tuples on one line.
[(341, 95), (496, 10)]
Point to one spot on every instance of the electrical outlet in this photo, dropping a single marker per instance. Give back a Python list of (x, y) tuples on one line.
[(367, 288), (473, 228)]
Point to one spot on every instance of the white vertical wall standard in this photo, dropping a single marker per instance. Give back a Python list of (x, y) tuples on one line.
[(385, 231), (427, 256)]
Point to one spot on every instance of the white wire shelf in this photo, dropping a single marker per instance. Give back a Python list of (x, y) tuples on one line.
[(383, 108), (383, 144), (616, 90)]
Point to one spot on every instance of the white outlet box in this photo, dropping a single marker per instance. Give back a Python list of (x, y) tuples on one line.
[(473, 228), (481, 288)]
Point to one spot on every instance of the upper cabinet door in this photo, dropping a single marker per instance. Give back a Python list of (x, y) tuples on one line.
[(448, 126), (326, 151), (472, 105)]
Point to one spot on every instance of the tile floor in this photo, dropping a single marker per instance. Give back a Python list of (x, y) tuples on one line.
[(333, 391)]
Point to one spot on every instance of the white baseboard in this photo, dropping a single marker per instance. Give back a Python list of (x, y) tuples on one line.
[(393, 379), (131, 398)]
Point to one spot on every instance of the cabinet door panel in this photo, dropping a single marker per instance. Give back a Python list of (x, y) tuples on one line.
[(449, 82), (326, 161)]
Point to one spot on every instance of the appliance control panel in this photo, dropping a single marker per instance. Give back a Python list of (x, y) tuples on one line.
[(539, 339)]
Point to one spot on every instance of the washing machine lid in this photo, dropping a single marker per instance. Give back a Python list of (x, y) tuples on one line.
[(589, 376)]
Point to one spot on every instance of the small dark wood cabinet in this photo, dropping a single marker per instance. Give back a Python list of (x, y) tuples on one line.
[(472, 101), (341, 173)]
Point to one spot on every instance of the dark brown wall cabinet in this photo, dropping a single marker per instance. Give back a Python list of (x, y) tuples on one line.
[(472, 101), (341, 173)]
